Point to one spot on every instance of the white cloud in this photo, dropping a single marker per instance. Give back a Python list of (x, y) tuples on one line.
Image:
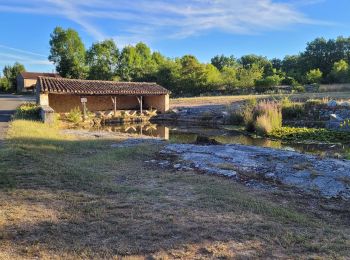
[(144, 20), (9, 55)]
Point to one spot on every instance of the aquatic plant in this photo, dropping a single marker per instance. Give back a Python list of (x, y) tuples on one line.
[(310, 134)]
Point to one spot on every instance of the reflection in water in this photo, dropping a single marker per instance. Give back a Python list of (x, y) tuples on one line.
[(148, 129), (189, 134)]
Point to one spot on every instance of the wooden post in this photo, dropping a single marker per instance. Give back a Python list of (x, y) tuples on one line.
[(140, 100), (114, 100)]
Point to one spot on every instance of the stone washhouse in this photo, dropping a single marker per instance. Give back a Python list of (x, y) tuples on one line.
[(61, 95)]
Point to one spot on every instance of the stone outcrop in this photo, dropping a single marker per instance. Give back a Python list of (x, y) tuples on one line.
[(329, 178)]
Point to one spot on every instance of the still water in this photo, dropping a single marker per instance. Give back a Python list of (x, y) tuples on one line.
[(189, 134)]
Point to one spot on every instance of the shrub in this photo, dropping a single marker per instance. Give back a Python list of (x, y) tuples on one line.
[(29, 111), (247, 114), (267, 117), (234, 116), (299, 89), (290, 81), (74, 115), (314, 102), (292, 110), (267, 84)]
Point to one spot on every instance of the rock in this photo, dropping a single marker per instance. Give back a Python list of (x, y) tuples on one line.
[(270, 175), (332, 103), (177, 166), (204, 140), (329, 178), (335, 117), (345, 104)]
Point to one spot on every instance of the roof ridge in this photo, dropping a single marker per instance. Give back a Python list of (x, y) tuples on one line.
[(80, 86)]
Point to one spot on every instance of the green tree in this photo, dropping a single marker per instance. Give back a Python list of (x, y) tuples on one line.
[(321, 53), (221, 61), (340, 72), (314, 76), (247, 76), (291, 65), (9, 82), (247, 61), (168, 75), (229, 78), (137, 63), (68, 53), (268, 83), (102, 59)]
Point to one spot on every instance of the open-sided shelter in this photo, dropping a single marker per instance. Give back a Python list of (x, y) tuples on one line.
[(62, 95)]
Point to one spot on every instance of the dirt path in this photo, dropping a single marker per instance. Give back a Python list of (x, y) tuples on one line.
[(8, 105)]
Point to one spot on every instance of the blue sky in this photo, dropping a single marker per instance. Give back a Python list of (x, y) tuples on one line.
[(273, 28)]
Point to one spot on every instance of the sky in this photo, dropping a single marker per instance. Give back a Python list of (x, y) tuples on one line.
[(204, 28)]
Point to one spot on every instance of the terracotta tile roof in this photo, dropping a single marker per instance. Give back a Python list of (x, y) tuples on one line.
[(93, 87), (35, 75)]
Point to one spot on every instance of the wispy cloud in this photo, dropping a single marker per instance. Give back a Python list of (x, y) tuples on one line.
[(9, 55), (21, 51), (155, 19)]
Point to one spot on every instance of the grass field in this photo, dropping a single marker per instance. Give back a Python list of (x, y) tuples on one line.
[(225, 100), (61, 197)]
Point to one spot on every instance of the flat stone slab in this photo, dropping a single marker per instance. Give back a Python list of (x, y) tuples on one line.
[(329, 178)]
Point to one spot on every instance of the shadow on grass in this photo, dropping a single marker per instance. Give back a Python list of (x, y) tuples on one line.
[(106, 201)]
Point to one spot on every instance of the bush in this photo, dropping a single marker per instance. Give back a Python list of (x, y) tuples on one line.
[(314, 102), (247, 114), (5, 85), (267, 84), (290, 81), (234, 117), (267, 117), (74, 115), (29, 111), (299, 89), (292, 110)]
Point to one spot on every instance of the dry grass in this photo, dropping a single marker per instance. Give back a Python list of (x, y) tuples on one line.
[(225, 100), (78, 199)]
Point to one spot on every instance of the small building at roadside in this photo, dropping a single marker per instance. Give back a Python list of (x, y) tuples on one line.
[(26, 81), (63, 95)]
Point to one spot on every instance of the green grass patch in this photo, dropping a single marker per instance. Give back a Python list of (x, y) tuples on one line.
[(69, 198)]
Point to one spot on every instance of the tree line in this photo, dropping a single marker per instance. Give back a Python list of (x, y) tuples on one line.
[(323, 61)]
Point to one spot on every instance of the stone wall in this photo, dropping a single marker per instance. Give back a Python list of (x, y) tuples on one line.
[(47, 114), (334, 87)]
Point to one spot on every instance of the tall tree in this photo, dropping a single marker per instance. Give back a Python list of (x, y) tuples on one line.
[(102, 59), (221, 61), (250, 60), (247, 76), (136, 63), (291, 65), (68, 53)]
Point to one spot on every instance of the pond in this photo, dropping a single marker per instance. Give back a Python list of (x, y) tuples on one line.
[(189, 133)]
